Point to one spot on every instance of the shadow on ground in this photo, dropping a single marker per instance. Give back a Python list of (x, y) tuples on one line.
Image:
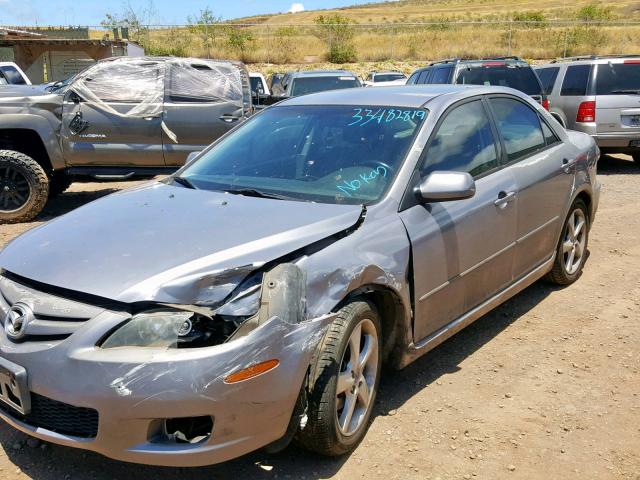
[(620, 164), (53, 462)]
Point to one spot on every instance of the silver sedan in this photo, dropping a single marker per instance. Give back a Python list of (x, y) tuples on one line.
[(251, 298)]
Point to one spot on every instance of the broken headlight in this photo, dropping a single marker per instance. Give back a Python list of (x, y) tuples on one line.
[(245, 299), (170, 329)]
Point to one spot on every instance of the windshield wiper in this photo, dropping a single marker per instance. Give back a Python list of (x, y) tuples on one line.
[(625, 92), (252, 192), (184, 182)]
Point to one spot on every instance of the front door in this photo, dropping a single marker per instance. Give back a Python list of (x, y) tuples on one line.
[(462, 250), (112, 115)]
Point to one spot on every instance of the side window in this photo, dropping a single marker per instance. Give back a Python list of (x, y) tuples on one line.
[(575, 80), (126, 82), (441, 75), (201, 83), (369, 78), (413, 78), (549, 136), (548, 77), (12, 75), (424, 76), (519, 126), (464, 142)]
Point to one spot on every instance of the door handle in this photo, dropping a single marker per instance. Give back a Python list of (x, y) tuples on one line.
[(567, 165), (229, 118), (504, 198)]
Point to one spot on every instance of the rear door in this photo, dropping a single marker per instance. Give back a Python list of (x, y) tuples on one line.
[(543, 168), (202, 103), (462, 250), (112, 115), (617, 93)]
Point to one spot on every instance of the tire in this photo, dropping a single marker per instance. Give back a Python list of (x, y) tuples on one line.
[(636, 158), (58, 183), (566, 268), (24, 187), (323, 433)]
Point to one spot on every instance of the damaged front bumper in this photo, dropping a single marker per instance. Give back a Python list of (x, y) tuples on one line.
[(132, 394)]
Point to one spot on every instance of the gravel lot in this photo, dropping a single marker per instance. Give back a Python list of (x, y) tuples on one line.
[(546, 386)]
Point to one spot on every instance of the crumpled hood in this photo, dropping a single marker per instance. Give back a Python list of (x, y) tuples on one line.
[(169, 244)]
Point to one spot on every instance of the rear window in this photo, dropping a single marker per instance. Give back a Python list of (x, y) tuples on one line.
[(617, 78), (303, 86), (548, 77), (256, 84), (519, 77), (575, 80), (12, 75), (388, 77)]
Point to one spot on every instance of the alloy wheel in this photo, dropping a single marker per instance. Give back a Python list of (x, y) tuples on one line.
[(357, 377), (14, 188), (575, 238)]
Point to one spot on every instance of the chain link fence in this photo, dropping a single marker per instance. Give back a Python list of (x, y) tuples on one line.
[(345, 43)]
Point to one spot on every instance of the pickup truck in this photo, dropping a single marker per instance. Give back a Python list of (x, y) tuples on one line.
[(118, 119)]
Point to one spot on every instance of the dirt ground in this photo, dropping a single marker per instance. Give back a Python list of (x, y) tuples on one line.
[(546, 386)]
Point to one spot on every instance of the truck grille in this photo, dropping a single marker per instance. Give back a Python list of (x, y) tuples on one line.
[(58, 417)]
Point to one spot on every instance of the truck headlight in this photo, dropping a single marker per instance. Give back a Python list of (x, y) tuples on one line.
[(170, 329)]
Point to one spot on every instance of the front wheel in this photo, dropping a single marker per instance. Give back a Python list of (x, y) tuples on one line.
[(345, 381), (24, 187), (571, 252)]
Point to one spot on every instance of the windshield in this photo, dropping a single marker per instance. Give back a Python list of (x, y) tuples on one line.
[(617, 78), (305, 85), (521, 78), (328, 154), (388, 77)]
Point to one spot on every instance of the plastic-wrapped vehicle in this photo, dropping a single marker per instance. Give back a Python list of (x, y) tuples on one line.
[(118, 119)]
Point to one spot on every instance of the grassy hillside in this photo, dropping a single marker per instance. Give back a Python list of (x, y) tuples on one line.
[(437, 10), (413, 30)]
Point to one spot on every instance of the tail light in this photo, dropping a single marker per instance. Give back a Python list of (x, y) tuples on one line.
[(545, 104), (586, 112)]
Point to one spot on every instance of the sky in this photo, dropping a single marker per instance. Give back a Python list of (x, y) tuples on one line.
[(91, 12)]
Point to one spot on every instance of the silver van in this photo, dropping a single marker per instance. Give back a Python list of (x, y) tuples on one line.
[(599, 96)]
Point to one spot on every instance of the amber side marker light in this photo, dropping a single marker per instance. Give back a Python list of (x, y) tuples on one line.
[(252, 371)]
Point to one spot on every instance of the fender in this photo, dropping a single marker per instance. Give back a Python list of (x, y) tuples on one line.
[(46, 124)]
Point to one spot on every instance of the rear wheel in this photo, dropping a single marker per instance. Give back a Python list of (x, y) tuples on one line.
[(345, 382), (572, 248), (24, 187), (636, 158)]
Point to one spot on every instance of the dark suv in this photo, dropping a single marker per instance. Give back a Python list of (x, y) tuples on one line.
[(510, 72), (120, 118)]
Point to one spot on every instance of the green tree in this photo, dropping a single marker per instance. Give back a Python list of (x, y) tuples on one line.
[(206, 25), (337, 32), (239, 39)]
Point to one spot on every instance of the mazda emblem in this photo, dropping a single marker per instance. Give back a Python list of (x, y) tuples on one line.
[(16, 321)]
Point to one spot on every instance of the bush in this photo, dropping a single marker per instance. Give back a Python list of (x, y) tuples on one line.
[(595, 12), (337, 32), (530, 19)]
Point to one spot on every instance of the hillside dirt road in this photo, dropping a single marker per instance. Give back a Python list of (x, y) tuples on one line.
[(546, 386)]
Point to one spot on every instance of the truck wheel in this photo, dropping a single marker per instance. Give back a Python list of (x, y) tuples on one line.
[(571, 252), (636, 158), (24, 187), (58, 183), (345, 380)]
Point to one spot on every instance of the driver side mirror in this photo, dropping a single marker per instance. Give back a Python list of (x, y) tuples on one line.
[(442, 186)]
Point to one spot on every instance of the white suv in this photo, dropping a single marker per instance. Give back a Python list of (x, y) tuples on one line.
[(12, 74)]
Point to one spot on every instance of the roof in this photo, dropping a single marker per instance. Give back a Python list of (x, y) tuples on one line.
[(322, 73), (11, 41), (413, 96), (591, 58)]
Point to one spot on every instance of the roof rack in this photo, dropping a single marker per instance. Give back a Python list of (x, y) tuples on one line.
[(508, 57), (446, 60), (591, 57)]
